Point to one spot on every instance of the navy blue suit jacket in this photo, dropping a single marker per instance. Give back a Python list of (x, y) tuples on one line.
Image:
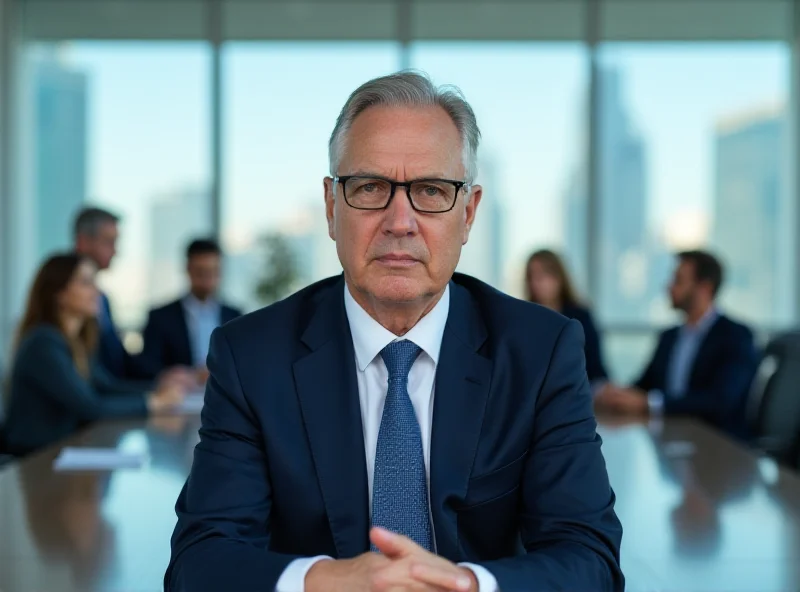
[(166, 337), (111, 354), (595, 369), (517, 484), (719, 379)]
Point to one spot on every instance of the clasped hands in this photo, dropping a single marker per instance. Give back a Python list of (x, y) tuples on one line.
[(401, 565)]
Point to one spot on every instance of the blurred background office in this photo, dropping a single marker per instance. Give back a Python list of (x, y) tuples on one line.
[(615, 132)]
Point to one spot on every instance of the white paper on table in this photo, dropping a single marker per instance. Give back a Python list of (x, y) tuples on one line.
[(97, 459), (192, 403)]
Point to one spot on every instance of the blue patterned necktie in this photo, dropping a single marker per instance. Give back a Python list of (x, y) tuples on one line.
[(399, 486)]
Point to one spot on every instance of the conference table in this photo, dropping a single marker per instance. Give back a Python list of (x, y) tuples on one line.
[(699, 511)]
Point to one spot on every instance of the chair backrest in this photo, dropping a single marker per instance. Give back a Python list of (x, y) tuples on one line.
[(774, 402)]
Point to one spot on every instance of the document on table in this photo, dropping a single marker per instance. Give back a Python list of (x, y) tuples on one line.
[(98, 459)]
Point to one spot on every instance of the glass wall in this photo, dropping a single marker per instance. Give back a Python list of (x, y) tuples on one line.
[(124, 126), (281, 102), (689, 114), (529, 99), (693, 142)]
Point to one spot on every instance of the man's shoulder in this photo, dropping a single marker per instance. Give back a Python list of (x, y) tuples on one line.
[(506, 316), (168, 308), (281, 320), (734, 328)]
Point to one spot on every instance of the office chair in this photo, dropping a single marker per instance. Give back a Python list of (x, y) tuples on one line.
[(774, 400)]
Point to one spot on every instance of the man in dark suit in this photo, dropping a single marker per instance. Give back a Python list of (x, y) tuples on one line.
[(398, 427), (178, 333), (703, 367), (95, 232)]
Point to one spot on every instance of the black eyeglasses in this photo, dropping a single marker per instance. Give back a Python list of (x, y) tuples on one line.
[(427, 196)]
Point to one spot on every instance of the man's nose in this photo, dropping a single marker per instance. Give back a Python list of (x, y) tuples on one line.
[(400, 218)]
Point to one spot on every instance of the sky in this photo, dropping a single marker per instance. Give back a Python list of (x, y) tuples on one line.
[(149, 128)]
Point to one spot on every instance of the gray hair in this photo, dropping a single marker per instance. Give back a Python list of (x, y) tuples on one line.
[(409, 89), (89, 220)]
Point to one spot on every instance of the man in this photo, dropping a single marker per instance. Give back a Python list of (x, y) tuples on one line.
[(454, 420), (702, 368), (95, 233), (178, 334)]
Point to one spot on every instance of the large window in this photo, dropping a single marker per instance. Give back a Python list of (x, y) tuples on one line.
[(281, 102), (693, 145), (529, 99), (122, 125)]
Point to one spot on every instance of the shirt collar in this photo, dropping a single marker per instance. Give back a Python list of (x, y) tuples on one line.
[(370, 337), (192, 303), (705, 322)]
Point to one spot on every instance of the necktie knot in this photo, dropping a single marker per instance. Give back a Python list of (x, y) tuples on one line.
[(399, 356)]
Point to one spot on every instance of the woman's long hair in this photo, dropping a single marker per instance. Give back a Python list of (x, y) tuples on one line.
[(567, 295), (52, 279)]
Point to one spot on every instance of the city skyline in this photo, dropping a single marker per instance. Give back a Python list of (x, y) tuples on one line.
[(275, 149), (60, 136)]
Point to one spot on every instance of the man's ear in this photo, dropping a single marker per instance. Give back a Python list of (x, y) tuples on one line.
[(330, 205), (470, 210)]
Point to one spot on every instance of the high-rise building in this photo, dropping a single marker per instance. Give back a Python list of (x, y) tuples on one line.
[(60, 148), (176, 219), (624, 278), (749, 198), (482, 256)]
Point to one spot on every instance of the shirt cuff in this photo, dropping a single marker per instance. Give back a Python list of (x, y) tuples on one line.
[(293, 578), (655, 403), (486, 581)]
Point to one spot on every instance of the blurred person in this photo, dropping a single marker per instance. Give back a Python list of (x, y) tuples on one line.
[(55, 385), (399, 426), (95, 233), (703, 367), (548, 283), (178, 334)]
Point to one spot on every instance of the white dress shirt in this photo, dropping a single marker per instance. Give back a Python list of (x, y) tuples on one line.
[(202, 318), (369, 338)]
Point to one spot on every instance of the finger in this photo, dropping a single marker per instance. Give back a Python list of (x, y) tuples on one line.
[(391, 544), (447, 577)]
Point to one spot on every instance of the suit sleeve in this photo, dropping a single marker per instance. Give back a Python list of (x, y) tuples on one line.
[(724, 399), (222, 535), (65, 385), (569, 529)]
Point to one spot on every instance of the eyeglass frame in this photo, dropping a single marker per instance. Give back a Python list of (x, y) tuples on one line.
[(394, 185)]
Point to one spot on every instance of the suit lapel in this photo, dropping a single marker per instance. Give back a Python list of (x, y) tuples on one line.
[(704, 349), (328, 392), (462, 388)]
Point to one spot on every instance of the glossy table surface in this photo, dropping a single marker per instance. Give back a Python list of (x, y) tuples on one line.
[(699, 512)]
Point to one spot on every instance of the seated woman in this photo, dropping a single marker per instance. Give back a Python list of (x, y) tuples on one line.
[(547, 283), (53, 389)]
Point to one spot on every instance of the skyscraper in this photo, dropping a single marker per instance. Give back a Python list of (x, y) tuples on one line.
[(749, 199), (482, 256), (176, 219), (622, 175), (60, 106)]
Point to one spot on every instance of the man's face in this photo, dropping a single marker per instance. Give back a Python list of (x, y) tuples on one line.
[(683, 288), (101, 247), (398, 255), (204, 274)]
